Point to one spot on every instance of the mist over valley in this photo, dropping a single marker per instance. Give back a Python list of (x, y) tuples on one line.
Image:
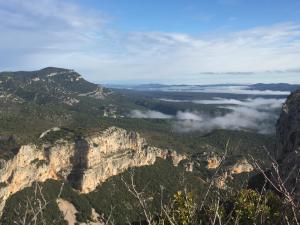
[(242, 108)]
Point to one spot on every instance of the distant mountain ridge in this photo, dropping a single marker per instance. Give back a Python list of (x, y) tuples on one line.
[(275, 87), (48, 85), (257, 86)]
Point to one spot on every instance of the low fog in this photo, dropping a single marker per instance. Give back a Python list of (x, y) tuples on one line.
[(256, 114), (224, 89), (241, 118), (249, 102), (151, 114)]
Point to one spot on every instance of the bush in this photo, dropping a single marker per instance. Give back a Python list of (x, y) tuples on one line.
[(252, 207), (183, 207)]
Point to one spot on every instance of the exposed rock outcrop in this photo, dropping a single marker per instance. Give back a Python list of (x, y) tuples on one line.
[(213, 162), (288, 143), (99, 93), (69, 211), (288, 126), (221, 181), (241, 166), (85, 162), (54, 129)]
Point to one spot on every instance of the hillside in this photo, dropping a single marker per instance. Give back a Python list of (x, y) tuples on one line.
[(58, 128), (32, 102), (48, 85)]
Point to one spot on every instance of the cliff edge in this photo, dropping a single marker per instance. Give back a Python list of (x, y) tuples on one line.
[(85, 162)]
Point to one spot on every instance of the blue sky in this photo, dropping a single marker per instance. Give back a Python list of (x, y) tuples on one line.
[(196, 16), (169, 41)]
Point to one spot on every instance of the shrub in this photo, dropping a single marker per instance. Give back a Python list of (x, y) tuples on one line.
[(252, 207)]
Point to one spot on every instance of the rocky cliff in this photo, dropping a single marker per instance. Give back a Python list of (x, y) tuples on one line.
[(288, 126), (288, 143), (85, 162)]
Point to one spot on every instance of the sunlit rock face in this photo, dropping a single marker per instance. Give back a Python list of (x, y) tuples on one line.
[(114, 152), (241, 166), (288, 143), (213, 162), (85, 162)]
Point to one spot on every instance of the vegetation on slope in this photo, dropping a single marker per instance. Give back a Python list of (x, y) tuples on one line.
[(32, 102)]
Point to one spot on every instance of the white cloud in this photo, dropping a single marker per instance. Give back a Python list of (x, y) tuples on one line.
[(223, 89), (48, 15), (188, 116), (258, 103), (258, 114), (241, 118), (39, 33), (149, 114)]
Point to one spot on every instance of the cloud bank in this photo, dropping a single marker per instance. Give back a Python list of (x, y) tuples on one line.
[(236, 89), (249, 102), (256, 114), (258, 103), (39, 33), (241, 118), (151, 114)]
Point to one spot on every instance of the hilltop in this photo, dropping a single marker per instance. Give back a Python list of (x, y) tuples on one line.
[(48, 85)]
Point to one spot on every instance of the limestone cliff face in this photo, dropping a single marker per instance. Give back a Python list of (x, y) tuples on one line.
[(288, 142), (213, 162), (85, 163), (117, 150), (241, 166)]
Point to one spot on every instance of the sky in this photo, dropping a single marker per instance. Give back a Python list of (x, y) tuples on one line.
[(161, 41)]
